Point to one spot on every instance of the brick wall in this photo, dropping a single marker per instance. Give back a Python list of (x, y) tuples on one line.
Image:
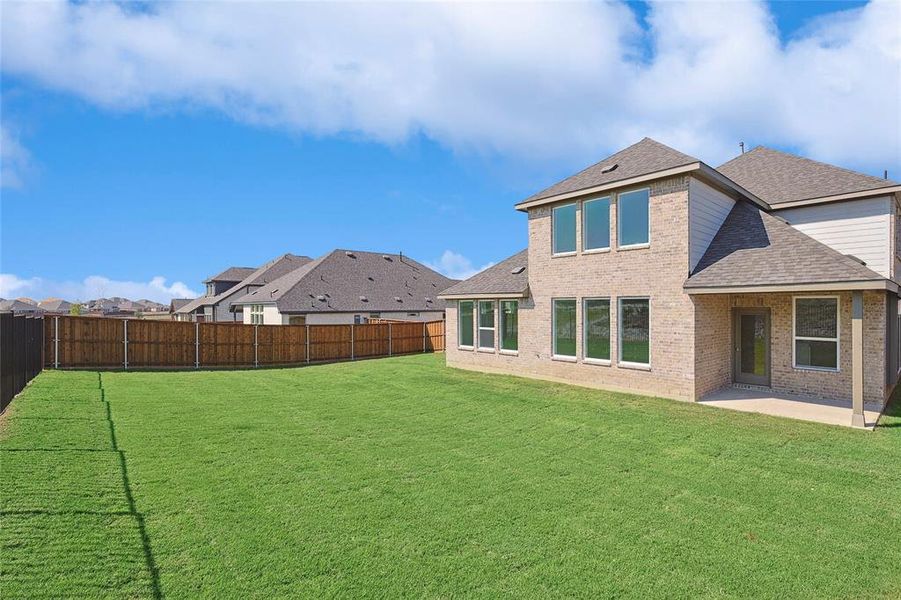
[(833, 385), (657, 272)]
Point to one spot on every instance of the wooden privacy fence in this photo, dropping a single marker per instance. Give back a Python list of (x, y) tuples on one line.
[(20, 353), (88, 342)]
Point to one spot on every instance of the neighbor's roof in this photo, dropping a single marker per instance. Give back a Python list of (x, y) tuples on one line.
[(352, 281), (177, 303), (55, 305), (778, 177), (270, 271), (642, 158), (17, 306), (756, 249), (232, 274), (510, 277)]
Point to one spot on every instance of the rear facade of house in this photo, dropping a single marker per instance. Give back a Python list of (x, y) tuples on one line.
[(654, 273)]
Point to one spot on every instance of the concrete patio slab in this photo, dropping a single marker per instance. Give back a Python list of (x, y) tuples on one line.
[(806, 408)]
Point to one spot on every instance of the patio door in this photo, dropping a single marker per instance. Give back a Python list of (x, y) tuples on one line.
[(752, 346)]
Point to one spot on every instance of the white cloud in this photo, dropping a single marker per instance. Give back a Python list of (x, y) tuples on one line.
[(15, 160), (95, 286), (456, 266), (540, 81)]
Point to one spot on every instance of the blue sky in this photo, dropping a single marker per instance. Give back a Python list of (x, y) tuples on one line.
[(160, 147)]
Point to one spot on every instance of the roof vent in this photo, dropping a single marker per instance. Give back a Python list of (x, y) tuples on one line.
[(350, 254), (370, 278), (363, 299), (855, 259), (427, 299), (517, 270), (386, 257), (609, 168), (320, 298), (397, 299)]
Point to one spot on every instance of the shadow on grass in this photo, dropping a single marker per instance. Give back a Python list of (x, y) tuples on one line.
[(129, 496), (891, 416)]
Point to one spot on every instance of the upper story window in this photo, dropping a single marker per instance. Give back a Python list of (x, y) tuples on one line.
[(210, 289), (633, 219), (564, 229), (465, 324), (816, 333), (596, 224), (256, 314)]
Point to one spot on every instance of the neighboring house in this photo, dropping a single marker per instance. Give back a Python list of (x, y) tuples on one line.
[(346, 286), (219, 307), (55, 306), (175, 304), (20, 308), (655, 273)]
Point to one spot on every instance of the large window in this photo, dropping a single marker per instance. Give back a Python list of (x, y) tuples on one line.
[(632, 216), (464, 336), (635, 331), (564, 225), (596, 224), (256, 314), (816, 333), (509, 325), (564, 327), (596, 318), (486, 324)]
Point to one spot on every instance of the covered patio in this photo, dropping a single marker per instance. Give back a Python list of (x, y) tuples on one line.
[(793, 406)]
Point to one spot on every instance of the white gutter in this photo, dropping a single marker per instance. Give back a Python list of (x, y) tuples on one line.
[(891, 189), (883, 284)]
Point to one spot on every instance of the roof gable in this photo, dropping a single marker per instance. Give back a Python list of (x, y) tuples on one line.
[(755, 248), (778, 177), (642, 158), (510, 276), (231, 274)]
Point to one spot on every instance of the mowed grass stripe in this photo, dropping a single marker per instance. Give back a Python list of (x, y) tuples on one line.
[(62, 481), (80, 555)]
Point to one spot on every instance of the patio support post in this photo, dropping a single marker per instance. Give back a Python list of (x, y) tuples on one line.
[(857, 417)]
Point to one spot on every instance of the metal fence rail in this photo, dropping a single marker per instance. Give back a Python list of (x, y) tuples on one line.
[(86, 342), (21, 356)]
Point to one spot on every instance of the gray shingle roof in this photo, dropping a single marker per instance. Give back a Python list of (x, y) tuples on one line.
[(642, 158), (232, 274), (778, 177), (498, 279), (17, 306), (177, 303), (55, 305), (755, 248), (342, 281), (270, 271)]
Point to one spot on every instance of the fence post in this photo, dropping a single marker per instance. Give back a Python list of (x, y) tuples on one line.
[(256, 354), (389, 339), (307, 340), (196, 345), (423, 336), (56, 344), (351, 341), (125, 329)]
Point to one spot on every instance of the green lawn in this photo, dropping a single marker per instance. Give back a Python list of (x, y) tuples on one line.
[(400, 477)]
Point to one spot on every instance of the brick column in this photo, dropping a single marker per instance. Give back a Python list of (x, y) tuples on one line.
[(857, 416)]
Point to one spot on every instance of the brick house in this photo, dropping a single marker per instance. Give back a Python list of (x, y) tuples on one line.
[(653, 272)]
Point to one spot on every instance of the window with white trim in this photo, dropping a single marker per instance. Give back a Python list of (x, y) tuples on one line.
[(596, 224), (596, 326), (634, 331), (509, 315), (815, 332), (486, 324), (564, 228), (465, 324), (633, 218), (564, 327), (256, 314)]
